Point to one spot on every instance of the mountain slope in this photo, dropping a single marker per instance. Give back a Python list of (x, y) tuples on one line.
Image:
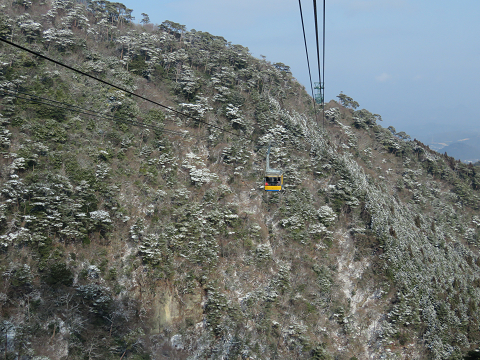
[(157, 241)]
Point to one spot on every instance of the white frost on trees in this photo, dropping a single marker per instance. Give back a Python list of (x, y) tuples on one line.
[(199, 174), (326, 215), (61, 38), (29, 28)]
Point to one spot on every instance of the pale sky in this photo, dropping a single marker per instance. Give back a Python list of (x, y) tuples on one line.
[(416, 63)]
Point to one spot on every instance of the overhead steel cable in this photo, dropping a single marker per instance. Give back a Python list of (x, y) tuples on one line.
[(322, 87), (308, 61), (80, 109), (316, 37), (77, 109), (115, 86), (322, 92), (74, 108)]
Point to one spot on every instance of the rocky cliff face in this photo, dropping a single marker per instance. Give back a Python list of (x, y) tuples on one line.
[(132, 232)]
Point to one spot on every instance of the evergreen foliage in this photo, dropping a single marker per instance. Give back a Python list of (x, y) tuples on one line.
[(121, 241)]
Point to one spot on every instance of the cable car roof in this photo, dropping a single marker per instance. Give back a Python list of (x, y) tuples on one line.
[(273, 172)]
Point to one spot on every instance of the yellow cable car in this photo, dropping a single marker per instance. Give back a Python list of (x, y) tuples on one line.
[(273, 177)]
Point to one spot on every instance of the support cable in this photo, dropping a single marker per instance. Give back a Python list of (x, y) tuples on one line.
[(322, 92), (115, 86), (71, 107), (308, 61), (316, 37), (323, 69)]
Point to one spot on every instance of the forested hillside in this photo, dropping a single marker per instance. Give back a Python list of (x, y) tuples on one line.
[(130, 231)]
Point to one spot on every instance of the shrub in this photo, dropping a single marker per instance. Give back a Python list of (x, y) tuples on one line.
[(59, 274)]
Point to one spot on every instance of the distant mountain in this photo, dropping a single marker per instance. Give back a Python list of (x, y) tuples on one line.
[(462, 151), (463, 145)]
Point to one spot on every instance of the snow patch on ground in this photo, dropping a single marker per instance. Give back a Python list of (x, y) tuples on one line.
[(364, 313)]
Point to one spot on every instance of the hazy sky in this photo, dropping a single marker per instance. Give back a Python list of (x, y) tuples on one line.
[(416, 63)]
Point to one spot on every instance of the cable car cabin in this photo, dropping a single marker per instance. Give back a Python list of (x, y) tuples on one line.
[(273, 177), (273, 182)]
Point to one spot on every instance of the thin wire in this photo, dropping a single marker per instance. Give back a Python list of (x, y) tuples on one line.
[(109, 117), (94, 113), (316, 36), (117, 120), (323, 67), (115, 86), (308, 61), (71, 107), (78, 107), (87, 112)]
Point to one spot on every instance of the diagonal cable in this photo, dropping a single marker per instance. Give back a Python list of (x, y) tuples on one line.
[(322, 88), (115, 86), (316, 37), (74, 108), (308, 61)]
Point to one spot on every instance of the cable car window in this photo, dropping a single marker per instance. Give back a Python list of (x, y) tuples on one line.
[(272, 181)]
